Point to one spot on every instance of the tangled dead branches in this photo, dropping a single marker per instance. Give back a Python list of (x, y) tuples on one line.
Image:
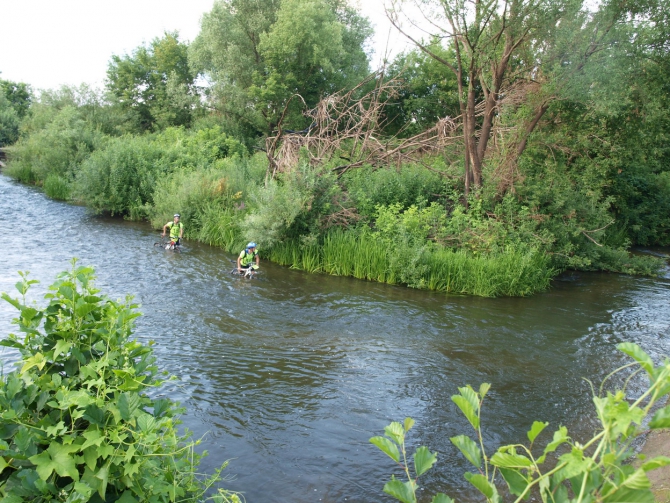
[(347, 126)]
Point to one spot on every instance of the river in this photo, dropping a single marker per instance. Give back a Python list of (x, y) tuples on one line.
[(290, 374)]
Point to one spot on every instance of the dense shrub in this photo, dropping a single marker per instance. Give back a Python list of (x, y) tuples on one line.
[(407, 185), (77, 423), (59, 148), (121, 178)]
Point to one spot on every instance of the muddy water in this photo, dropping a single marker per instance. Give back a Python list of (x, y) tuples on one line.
[(290, 374)]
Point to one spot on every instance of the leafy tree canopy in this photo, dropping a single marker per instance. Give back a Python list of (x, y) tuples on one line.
[(259, 55), (154, 87)]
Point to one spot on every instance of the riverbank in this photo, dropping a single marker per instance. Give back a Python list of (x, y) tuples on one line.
[(658, 444)]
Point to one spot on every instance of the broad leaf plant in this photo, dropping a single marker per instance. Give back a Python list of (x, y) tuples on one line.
[(77, 422), (603, 469)]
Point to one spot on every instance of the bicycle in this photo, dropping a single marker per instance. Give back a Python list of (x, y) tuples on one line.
[(167, 245), (248, 273)]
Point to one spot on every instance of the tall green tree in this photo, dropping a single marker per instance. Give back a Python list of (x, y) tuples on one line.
[(259, 55), (430, 92), (15, 99), (154, 87)]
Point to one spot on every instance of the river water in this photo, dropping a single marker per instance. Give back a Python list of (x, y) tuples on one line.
[(290, 374)]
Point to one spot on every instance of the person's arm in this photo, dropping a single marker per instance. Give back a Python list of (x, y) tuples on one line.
[(164, 228), (239, 268), (258, 260), (181, 231)]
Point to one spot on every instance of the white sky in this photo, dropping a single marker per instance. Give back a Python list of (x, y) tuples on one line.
[(47, 43)]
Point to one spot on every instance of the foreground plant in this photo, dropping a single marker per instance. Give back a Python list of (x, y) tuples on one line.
[(599, 470), (76, 423)]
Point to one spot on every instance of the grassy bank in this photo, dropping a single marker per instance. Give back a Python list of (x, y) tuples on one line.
[(366, 256)]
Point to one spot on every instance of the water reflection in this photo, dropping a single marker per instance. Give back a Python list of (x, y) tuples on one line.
[(290, 374)]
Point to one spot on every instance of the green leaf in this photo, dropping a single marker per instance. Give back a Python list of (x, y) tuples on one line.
[(409, 422), (516, 481), (468, 411), (82, 493), (13, 302), (637, 480), (385, 445), (11, 343), (483, 390), (657, 462), (37, 360), (95, 415), (661, 418), (395, 432), (93, 437), (402, 491), (91, 457), (560, 437), (127, 497), (56, 458), (103, 476), (536, 429), (441, 498), (161, 406), (83, 308), (145, 422), (66, 292), (62, 347), (21, 287), (3, 463), (506, 460), (636, 352), (627, 495), (480, 482), (423, 460), (469, 449), (468, 402), (128, 404), (23, 439)]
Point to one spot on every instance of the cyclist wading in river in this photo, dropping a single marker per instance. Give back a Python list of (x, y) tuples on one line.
[(176, 230), (247, 258)]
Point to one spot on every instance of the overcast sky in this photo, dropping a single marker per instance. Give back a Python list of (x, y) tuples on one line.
[(47, 43)]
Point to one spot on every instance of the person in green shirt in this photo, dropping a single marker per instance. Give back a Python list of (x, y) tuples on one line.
[(247, 258), (176, 230)]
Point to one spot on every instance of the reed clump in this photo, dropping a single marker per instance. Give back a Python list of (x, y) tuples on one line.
[(364, 255)]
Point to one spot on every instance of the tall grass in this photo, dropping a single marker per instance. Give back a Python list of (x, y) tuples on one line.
[(363, 255), (217, 226), (57, 187)]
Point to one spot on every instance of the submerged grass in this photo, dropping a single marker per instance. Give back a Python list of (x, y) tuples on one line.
[(508, 272)]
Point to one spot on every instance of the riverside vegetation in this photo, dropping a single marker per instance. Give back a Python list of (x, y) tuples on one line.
[(541, 159), (598, 469), (80, 419)]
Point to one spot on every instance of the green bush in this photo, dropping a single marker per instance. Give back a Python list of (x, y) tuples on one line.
[(77, 424), (408, 185), (121, 178), (59, 147)]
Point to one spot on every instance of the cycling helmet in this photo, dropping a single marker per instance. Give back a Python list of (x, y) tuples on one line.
[(177, 215), (251, 245)]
